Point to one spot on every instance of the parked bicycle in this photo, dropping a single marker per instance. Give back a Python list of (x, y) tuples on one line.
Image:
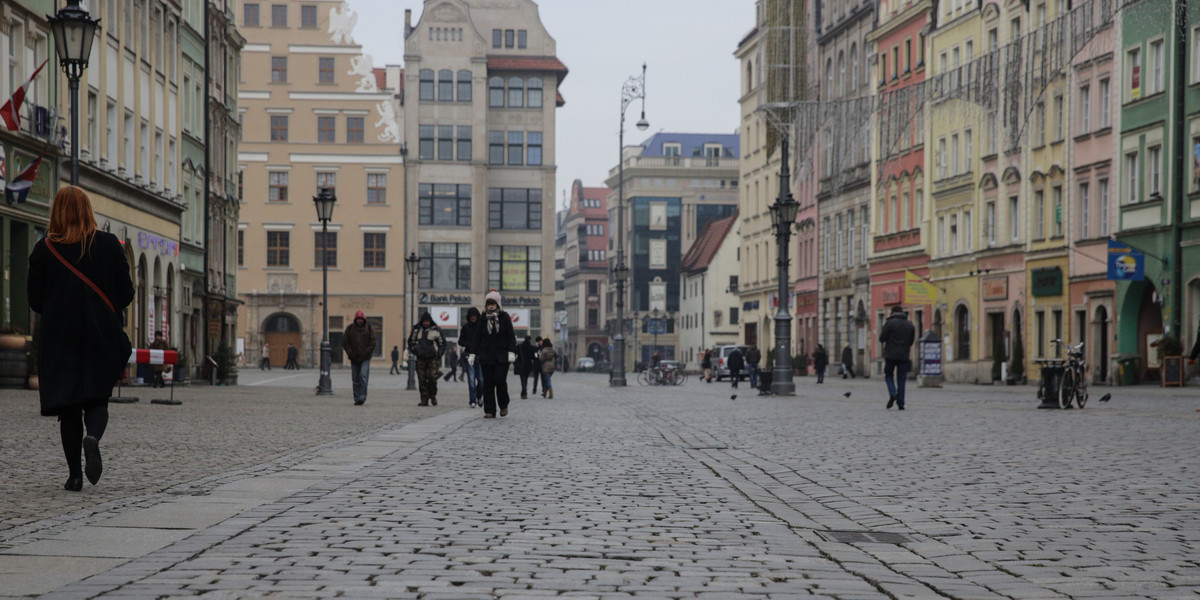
[(1073, 386), (666, 373)]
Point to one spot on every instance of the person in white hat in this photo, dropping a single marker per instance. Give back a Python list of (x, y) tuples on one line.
[(495, 348)]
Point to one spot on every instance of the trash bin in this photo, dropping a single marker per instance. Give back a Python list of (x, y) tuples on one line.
[(1128, 368), (1052, 375)]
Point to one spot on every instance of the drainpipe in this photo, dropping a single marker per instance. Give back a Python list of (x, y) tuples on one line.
[(1181, 153), (208, 351)]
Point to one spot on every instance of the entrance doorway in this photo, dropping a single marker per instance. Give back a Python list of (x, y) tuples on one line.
[(279, 331), (751, 333), (1100, 325)]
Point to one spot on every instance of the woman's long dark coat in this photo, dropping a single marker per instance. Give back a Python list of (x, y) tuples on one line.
[(493, 348), (79, 351)]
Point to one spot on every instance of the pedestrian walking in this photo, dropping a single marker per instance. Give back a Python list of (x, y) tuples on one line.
[(264, 364), (359, 344), (547, 356), (1195, 349), (395, 370), (427, 344), (735, 362), (897, 335), (472, 371), (820, 360), (79, 284), (292, 354), (848, 362), (159, 343), (451, 363), (706, 364), (494, 348), (537, 347), (525, 365), (753, 357)]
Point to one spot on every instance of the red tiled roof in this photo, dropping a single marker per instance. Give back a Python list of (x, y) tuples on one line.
[(707, 243), (381, 78), (528, 63)]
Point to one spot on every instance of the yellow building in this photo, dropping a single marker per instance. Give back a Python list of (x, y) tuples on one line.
[(316, 114)]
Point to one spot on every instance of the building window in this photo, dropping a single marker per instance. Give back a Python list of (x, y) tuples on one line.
[(509, 38), (464, 143), (1103, 208), (445, 143), (278, 243), (326, 128), (327, 181), (990, 223), (533, 149), (1134, 68), (374, 250), (278, 15), (516, 147), (278, 186), (497, 38), (376, 188), (328, 248), (954, 234), (354, 130), (962, 333), (249, 18), (521, 38), (1157, 59), (1058, 213), (325, 69), (241, 250), (426, 85), (279, 69), (279, 128), (1085, 212), (968, 243), (1039, 208), (515, 268), (1131, 175), (1014, 214), (1155, 176), (1105, 117), (534, 93), (825, 244), (495, 147), (495, 92), (511, 208), (1059, 116), (850, 238), (444, 204), (425, 142), (445, 85), (464, 86), (444, 266), (308, 16), (862, 219), (516, 92)]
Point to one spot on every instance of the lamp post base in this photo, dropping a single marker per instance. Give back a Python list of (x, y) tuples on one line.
[(617, 378), (324, 383), (412, 375)]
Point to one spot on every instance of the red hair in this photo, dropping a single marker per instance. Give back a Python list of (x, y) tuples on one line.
[(71, 218)]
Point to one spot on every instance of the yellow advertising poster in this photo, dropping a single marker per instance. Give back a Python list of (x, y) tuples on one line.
[(514, 267), (917, 290)]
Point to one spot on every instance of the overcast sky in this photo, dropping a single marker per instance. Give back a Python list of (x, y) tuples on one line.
[(691, 79)]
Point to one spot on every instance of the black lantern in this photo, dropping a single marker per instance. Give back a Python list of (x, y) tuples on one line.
[(324, 201), (74, 31)]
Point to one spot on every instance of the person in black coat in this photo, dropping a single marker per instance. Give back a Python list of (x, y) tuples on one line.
[(897, 335), (820, 362), (83, 348), (494, 348), (735, 362), (473, 372), (848, 362), (524, 367)]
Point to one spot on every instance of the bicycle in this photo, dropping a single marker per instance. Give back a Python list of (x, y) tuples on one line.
[(663, 374), (1073, 386)]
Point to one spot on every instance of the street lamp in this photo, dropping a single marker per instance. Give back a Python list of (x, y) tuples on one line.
[(324, 201), (74, 31), (411, 265), (783, 216), (634, 89)]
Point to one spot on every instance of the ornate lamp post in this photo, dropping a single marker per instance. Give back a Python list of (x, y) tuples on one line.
[(634, 89), (783, 216), (74, 31), (411, 265), (324, 200)]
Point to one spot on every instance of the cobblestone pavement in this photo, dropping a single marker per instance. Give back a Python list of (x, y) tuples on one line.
[(644, 492)]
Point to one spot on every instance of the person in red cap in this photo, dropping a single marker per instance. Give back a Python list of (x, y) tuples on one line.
[(359, 344)]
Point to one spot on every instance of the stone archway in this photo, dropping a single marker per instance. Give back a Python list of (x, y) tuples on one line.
[(1140, 316), (279, 330)]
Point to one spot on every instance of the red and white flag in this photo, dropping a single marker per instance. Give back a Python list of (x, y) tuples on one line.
[(11, 111), (16, 190)]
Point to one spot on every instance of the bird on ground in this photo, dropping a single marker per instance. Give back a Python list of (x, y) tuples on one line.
[(1106, 397), (847, 394), (733, 397)]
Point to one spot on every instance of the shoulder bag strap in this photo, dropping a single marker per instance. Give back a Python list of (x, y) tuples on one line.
[(79, 274)]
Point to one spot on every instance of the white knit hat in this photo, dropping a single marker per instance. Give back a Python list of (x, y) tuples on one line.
[(493, 295)]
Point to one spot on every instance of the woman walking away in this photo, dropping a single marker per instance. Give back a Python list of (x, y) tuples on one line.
[(820, 361), (495, 347), (79, 283), (547, 355), (706, 364)]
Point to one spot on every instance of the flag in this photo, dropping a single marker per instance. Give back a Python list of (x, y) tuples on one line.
[(16, 191), (1125, 263), (11, 111)]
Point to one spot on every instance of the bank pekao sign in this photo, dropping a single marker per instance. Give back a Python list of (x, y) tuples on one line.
[(464, 300)]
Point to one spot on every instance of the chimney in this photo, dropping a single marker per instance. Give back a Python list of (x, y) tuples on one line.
[(407, 22)]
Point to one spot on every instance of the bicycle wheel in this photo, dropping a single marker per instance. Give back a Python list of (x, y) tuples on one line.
[(1067, 390), (644, 378), (1081, 393), (678, 377)]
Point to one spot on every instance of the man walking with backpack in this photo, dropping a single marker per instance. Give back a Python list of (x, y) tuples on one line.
[(427, 345)]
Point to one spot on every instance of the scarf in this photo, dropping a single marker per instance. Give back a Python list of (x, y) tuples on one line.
[(493, 321)]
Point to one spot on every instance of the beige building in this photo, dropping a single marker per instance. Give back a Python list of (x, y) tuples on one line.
[(315, 114), (707, 297), (481, 84)]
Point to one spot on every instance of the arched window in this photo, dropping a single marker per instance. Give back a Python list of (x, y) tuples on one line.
[(445, 85), (496, 92), (829, 79), (534, 94), (516, 92), (427, 85), (749, 76), (854, 67), (841, 75), (464, 86), (962, 333)]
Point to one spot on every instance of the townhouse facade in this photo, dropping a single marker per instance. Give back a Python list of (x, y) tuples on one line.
[(707, 297), (585, 272)]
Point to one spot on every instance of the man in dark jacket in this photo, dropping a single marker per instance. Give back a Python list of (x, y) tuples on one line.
[(466, 339), (159, 343), (395, 370), (495, 347), (820, 360), (293, 354), (451, 364), (359, 344), (427, 344), (753, 357), (526, 359), (848, 362), (735, 362), (897, 335)]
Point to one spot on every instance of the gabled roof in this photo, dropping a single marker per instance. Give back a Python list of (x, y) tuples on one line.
[(707, 243), (692, 144), (381, 78), (549, 64)]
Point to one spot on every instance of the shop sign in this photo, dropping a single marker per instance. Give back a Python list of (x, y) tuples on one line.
[(749, 305), (520, 317), (1125, 263), (427, 298), (1047, 281), (891, 294), (995, 288), (931, 357), (837, 282), (164, 246), (444, 316)]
